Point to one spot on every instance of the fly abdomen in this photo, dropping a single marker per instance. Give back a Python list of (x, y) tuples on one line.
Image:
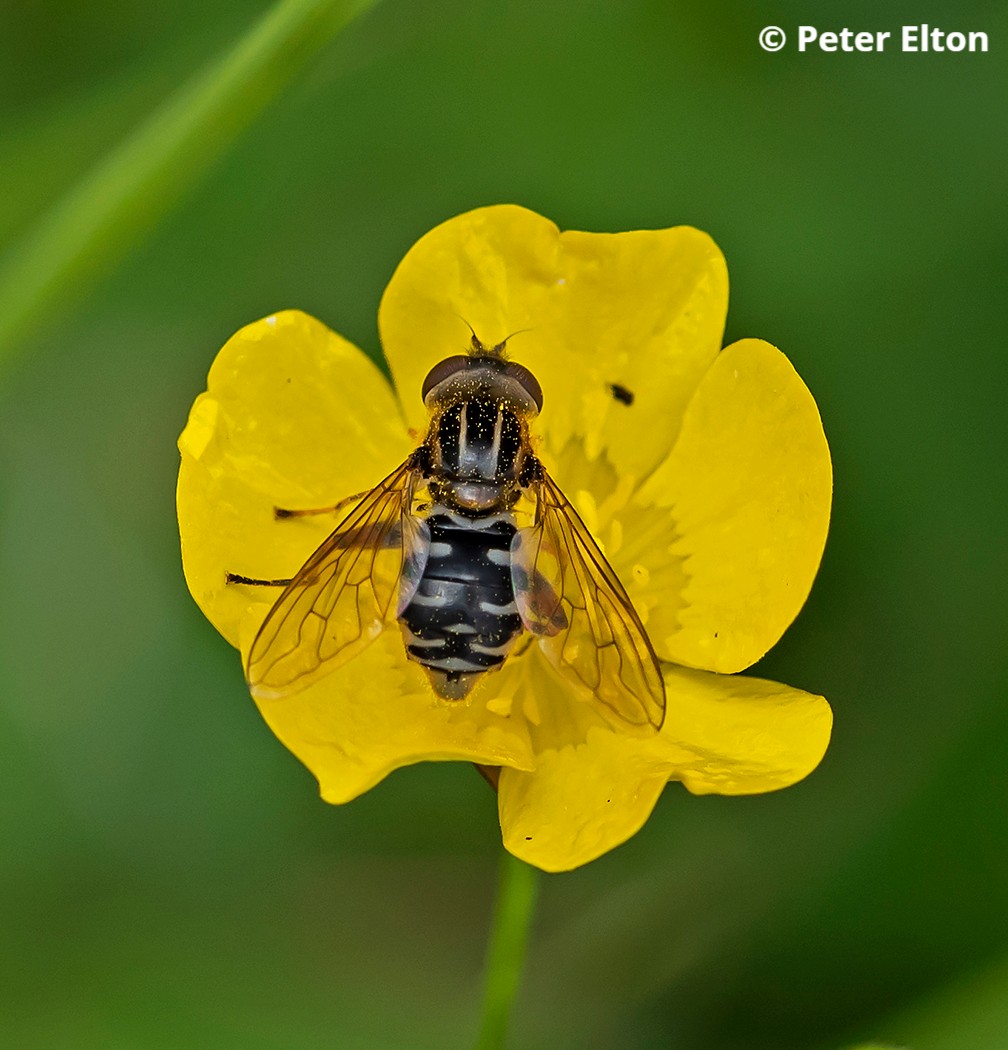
[(462, 619)]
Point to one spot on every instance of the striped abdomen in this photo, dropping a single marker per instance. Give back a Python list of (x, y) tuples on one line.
[(462, 618)]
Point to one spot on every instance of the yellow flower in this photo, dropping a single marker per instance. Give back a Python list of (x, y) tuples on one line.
[(703, 473)]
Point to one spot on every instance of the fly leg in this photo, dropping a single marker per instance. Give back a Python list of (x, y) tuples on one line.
[(393, 538), (236, 577), (285, 512)]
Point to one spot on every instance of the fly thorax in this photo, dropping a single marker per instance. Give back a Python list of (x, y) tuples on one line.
[(478, 442)]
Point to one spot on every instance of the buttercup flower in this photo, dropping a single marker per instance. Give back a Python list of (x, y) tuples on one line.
[(703, 474)]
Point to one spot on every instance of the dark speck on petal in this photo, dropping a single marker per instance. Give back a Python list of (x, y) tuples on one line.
[(621, 393)]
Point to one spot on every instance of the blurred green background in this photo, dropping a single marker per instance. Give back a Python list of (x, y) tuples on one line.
[(168, 875)]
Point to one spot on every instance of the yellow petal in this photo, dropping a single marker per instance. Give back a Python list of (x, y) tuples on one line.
[(734, 735), (377, 713), (723, 734), (580, 802), (724, 539), (644, 310), (294, 416)]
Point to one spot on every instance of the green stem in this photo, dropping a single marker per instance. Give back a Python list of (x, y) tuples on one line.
[(516, 896), (101, 218)]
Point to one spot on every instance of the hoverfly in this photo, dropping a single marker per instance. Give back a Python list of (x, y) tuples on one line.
[(472, 549)]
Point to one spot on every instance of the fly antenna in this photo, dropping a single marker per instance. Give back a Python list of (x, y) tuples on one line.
[(476, 346), (494, 351), (498, 350)]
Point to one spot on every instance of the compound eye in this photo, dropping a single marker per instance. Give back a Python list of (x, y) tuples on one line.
[(528, 382), (442, 371)]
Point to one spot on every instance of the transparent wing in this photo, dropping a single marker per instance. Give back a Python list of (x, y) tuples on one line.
[(568, 595), (345, 595)]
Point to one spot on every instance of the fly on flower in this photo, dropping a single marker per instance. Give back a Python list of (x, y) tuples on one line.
[(703, 473), (473, 550)]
